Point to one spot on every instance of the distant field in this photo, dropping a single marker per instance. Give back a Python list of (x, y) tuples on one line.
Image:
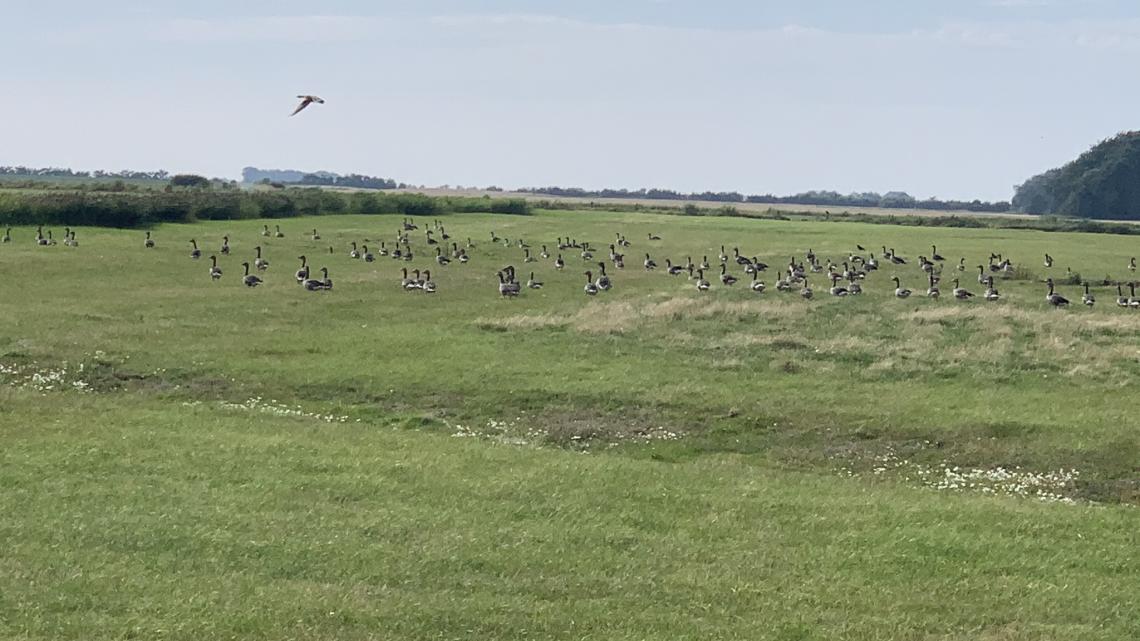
[(677, 204), (187, 459)]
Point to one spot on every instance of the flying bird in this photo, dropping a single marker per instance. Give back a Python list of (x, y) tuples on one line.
[(305, 102)]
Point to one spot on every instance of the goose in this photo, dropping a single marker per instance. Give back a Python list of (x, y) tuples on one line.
[(757, 284), (316, 236), (546, 255), (559, 263), (430, 240), (354, 253), (1087, 298), (303, 273), (1053, 298), (933, 291), (265, 231), (49, 240), (702, 284), (725, 277), (871, 264), (149, 242), (654, 237), (1048, 260), (603, 281), (249, 280), (649, 264), (407, 253), (895, 258), (326, 282), (591, 288), (527, 258), (443, 233), (67, 236), (225, 250), (367, 255), (312, 284), (1132, 264), (962, 264), (587, 254), (410, 225), (704, 266), (960, 293), (740, 260), (900, 291), (505, 288), (934, 254), (463, 257), (72, 241), (1121, 299), (673, 270), (1133, 302), (926, 265), (810, 255), (981, 275), (836, 290), (7, 238), (990, 294), (784, 283), (418, 279), (195, 253), (409, 284), (806, 292), (428, 285), (278, 233), (260, 262), (723, 257), (532, 283), (383, 249), (215, 271)]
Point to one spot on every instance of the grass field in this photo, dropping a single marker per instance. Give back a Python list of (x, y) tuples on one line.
[(187, 459)]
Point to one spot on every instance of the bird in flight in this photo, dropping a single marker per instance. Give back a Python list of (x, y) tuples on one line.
[(305, 102)]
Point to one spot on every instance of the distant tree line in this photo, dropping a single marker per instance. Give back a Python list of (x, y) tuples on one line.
[(139, 208), (56, 172), (1104, 182), (889, 200), (253, 175)]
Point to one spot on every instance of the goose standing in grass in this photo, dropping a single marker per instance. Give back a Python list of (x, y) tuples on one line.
[(673, 270), (316, 236), (527, 258), (149, 242), (265, 231), (559, 263), (1087, 298), (195, 253), (225, 250), (1133, 301), (505, 288), (704, 263), (67, 236), (933, 291), (603, 281), (649, 264), (278, 234), (836, 290), (428, 286), (654, 237), (303, 273), (354, 253), (900, 291), (7, 238), (896, 259), (1132, 264), (1048, 261), (981, 275), (383, 249), (1121, 299), (71, 241), (546, 255), (591, 287), (49, 240), (1053, 298), (440, 258), (962, 264), (757, 284), (991, 294), (960, 293), (934, 254), (805, 291), (702, 284), (326, 282), (531, 283), (260, 263), (215, 271), (369, 257), (249, 280), (725, 277)]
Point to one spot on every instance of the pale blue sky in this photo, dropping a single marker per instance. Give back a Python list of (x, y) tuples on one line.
[(955, 99)]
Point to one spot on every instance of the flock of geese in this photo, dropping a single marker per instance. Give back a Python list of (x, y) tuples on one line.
[(845, 277)]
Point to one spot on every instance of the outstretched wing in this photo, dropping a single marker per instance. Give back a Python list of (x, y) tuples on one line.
[(305, 102)]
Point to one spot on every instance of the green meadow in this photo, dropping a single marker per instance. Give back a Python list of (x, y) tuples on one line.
[(188, 459)]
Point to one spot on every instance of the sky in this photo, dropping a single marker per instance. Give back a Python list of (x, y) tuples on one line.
[(939, 98)]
